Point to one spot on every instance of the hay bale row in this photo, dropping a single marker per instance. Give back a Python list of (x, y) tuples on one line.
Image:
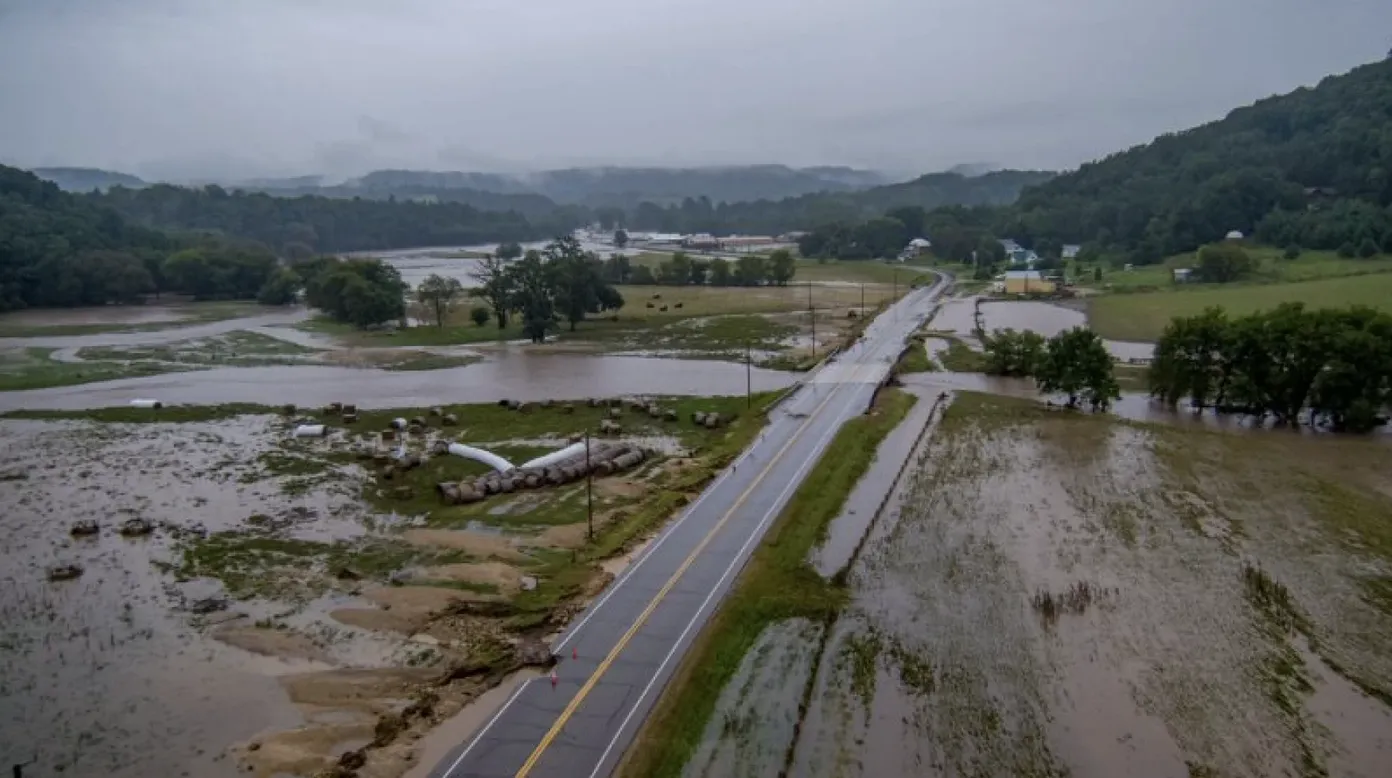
[(604, 460), (709, 420)]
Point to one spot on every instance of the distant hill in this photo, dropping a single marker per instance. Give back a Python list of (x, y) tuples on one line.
[(934, 190), (1312, 168), (85, 179), (626, 187)]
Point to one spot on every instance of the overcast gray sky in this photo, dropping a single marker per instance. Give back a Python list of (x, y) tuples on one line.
[(177, 88)]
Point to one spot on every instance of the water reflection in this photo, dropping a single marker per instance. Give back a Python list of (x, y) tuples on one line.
[(1047, 319)]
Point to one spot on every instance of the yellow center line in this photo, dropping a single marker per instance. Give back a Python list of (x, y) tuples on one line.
[(661, 594)]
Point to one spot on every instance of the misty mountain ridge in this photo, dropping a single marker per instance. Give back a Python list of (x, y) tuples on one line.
[(614, 185)]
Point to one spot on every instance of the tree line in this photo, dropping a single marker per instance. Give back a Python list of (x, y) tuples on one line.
[(317, 224), (1074, 363), (562, 282), (1331, 367), (776, 269)]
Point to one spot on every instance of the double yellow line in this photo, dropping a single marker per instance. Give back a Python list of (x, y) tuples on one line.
[(618, 648)]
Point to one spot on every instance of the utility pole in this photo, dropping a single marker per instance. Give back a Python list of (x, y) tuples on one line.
[(748, 375), (862, 299), (589, 491), (813, 312)]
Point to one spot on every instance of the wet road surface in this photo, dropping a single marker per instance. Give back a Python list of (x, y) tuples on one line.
[(615, 660)]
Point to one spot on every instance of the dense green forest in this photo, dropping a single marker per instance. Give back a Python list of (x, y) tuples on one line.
[(764, 217), (1311, 168), (323, 224)]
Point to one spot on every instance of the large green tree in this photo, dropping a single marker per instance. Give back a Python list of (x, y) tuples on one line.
[(577, 281), (1076, 364)]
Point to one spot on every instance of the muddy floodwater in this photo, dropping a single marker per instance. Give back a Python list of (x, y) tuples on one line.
[(506, 374), (1062, 594), (107, 674), (1047, 319)]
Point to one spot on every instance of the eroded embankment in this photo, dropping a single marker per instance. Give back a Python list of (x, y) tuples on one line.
[(178, 580)]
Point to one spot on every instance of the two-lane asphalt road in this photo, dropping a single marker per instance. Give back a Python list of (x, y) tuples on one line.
[(616, 658)]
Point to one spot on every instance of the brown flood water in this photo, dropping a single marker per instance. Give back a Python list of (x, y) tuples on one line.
[(506, 374), (1047, 319), (1154, 663), (109, 674)]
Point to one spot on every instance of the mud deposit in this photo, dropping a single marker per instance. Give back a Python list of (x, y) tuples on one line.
[(1065, 594), (108, 674)]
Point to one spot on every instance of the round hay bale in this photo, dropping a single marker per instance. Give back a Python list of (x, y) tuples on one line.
[(289, 409), (615, 402), (615, 429), (350, 408), (567, 408), (553, 477), (449, 420), (448, 490), (513, 405), (531, 481), (569, 473), (350, 418), (418, 421), (525, 408), (712, 420), (698, 418), (654, 411), (387, 473), (593, 402), (492, 486), (625, 461), (650, 304), (507, 486), (467, 496), (335, 407), (616, 413), (84, 528), (503, 403), (669, 415), (604, 468), (437, 412)]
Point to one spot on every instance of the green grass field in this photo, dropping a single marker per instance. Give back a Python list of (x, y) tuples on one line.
[(1272, 268), (1143, 316)]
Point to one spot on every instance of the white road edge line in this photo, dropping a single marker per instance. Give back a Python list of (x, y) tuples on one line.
[(570, 633), (574, 630), (486, 727), (758, 533)]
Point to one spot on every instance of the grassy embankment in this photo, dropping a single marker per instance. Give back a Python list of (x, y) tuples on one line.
[(25, 324), (777, 584), (34, 368), (1144, 300)]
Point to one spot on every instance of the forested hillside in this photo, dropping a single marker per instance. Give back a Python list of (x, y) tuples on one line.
[(1311, 168), (934, 190), (61, 249), (323, 224)]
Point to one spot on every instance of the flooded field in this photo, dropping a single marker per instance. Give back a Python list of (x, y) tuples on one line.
[(507, 374), (219, 597), (1056, 594), (1047, 319)]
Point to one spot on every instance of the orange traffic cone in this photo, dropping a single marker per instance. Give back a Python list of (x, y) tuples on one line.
[(553, 679), (574, 653)]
